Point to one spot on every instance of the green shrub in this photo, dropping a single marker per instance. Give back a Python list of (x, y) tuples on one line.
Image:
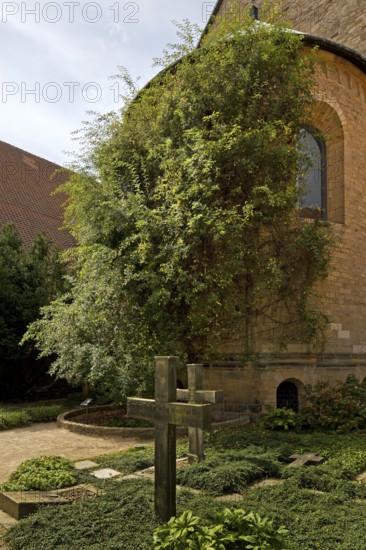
[(46, 472), (13, 419), (230, 472), (348, 463), (129, 461), (230, 529), (312, 478), (281, 419), (341, 407), (43, 413)]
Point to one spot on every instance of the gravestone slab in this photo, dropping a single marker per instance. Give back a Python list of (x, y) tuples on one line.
[(19, 504), (308, 459)]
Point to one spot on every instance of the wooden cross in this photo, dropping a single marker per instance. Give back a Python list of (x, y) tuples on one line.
[(195, 394), (309, 459), (166, 414)]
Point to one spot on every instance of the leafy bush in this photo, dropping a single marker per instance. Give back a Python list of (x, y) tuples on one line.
[(231, 529), (341, 407), (281, 419), (46, 472)]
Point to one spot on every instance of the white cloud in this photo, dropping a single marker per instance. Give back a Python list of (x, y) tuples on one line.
[(80, 52)]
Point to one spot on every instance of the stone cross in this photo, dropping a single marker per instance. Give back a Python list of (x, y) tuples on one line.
[(195, 394), (309, 459), (166, 414)]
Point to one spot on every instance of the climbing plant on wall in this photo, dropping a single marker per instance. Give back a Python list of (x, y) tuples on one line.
[(185, 214)]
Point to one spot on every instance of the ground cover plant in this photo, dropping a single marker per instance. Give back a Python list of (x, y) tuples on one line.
[(43, 473), (231, 471), (15, 418), (123, 517)]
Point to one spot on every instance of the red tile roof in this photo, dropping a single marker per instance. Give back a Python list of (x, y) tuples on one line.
[(26, 185)]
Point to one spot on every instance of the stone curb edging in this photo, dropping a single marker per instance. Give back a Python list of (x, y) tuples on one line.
[(64, 421)]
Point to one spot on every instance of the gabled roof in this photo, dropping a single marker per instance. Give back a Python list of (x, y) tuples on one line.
[(26, 184)]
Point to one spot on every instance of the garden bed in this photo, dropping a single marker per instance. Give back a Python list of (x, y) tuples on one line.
[(94, 422)]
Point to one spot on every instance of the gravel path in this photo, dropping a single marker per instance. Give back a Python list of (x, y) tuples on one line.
[(46, 439)]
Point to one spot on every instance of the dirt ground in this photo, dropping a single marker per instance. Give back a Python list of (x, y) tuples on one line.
[(46, 439)]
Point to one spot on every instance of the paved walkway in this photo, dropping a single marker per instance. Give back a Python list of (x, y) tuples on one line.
[(46, 439)]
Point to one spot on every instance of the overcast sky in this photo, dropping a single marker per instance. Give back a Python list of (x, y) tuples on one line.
[(57, 57)]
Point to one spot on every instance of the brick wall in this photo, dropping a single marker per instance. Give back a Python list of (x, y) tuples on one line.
[(340, 116)]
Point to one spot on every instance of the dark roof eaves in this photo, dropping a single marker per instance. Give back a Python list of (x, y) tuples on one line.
[(210, 21)]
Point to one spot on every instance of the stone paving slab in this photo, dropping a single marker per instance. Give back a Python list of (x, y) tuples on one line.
[(105, 473), (266, 483), (85, 465), (361, 478), (6, 521)]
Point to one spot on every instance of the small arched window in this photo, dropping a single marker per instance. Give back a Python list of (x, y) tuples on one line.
[(312, 177)]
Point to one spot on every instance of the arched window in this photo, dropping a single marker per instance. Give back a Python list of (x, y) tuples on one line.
[(312, 177)]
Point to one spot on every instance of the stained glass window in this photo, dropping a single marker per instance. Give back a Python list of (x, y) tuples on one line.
[(312, 176)]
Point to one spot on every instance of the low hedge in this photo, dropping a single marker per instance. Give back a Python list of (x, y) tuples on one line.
[(17, 418)]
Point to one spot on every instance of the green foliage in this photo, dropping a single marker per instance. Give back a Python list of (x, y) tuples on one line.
[(281, 419), (44, 413), (43, 473), (13, 419), (341, 407), (10, 418), (129, 461), (30, 278), (184, 213), (228, 529), (230, 472), (314, 521), (122, 518)]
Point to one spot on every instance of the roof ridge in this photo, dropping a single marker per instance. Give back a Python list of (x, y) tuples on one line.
[(29, 153)]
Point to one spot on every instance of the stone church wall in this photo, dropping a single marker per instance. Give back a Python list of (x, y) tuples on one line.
[(343, 21), (340, 116)]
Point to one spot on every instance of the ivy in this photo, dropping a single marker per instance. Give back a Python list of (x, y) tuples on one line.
[(185, 214)]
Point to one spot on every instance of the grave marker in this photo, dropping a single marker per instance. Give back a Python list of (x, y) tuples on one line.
[(166, 414), (309, 459), (195, 394)]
